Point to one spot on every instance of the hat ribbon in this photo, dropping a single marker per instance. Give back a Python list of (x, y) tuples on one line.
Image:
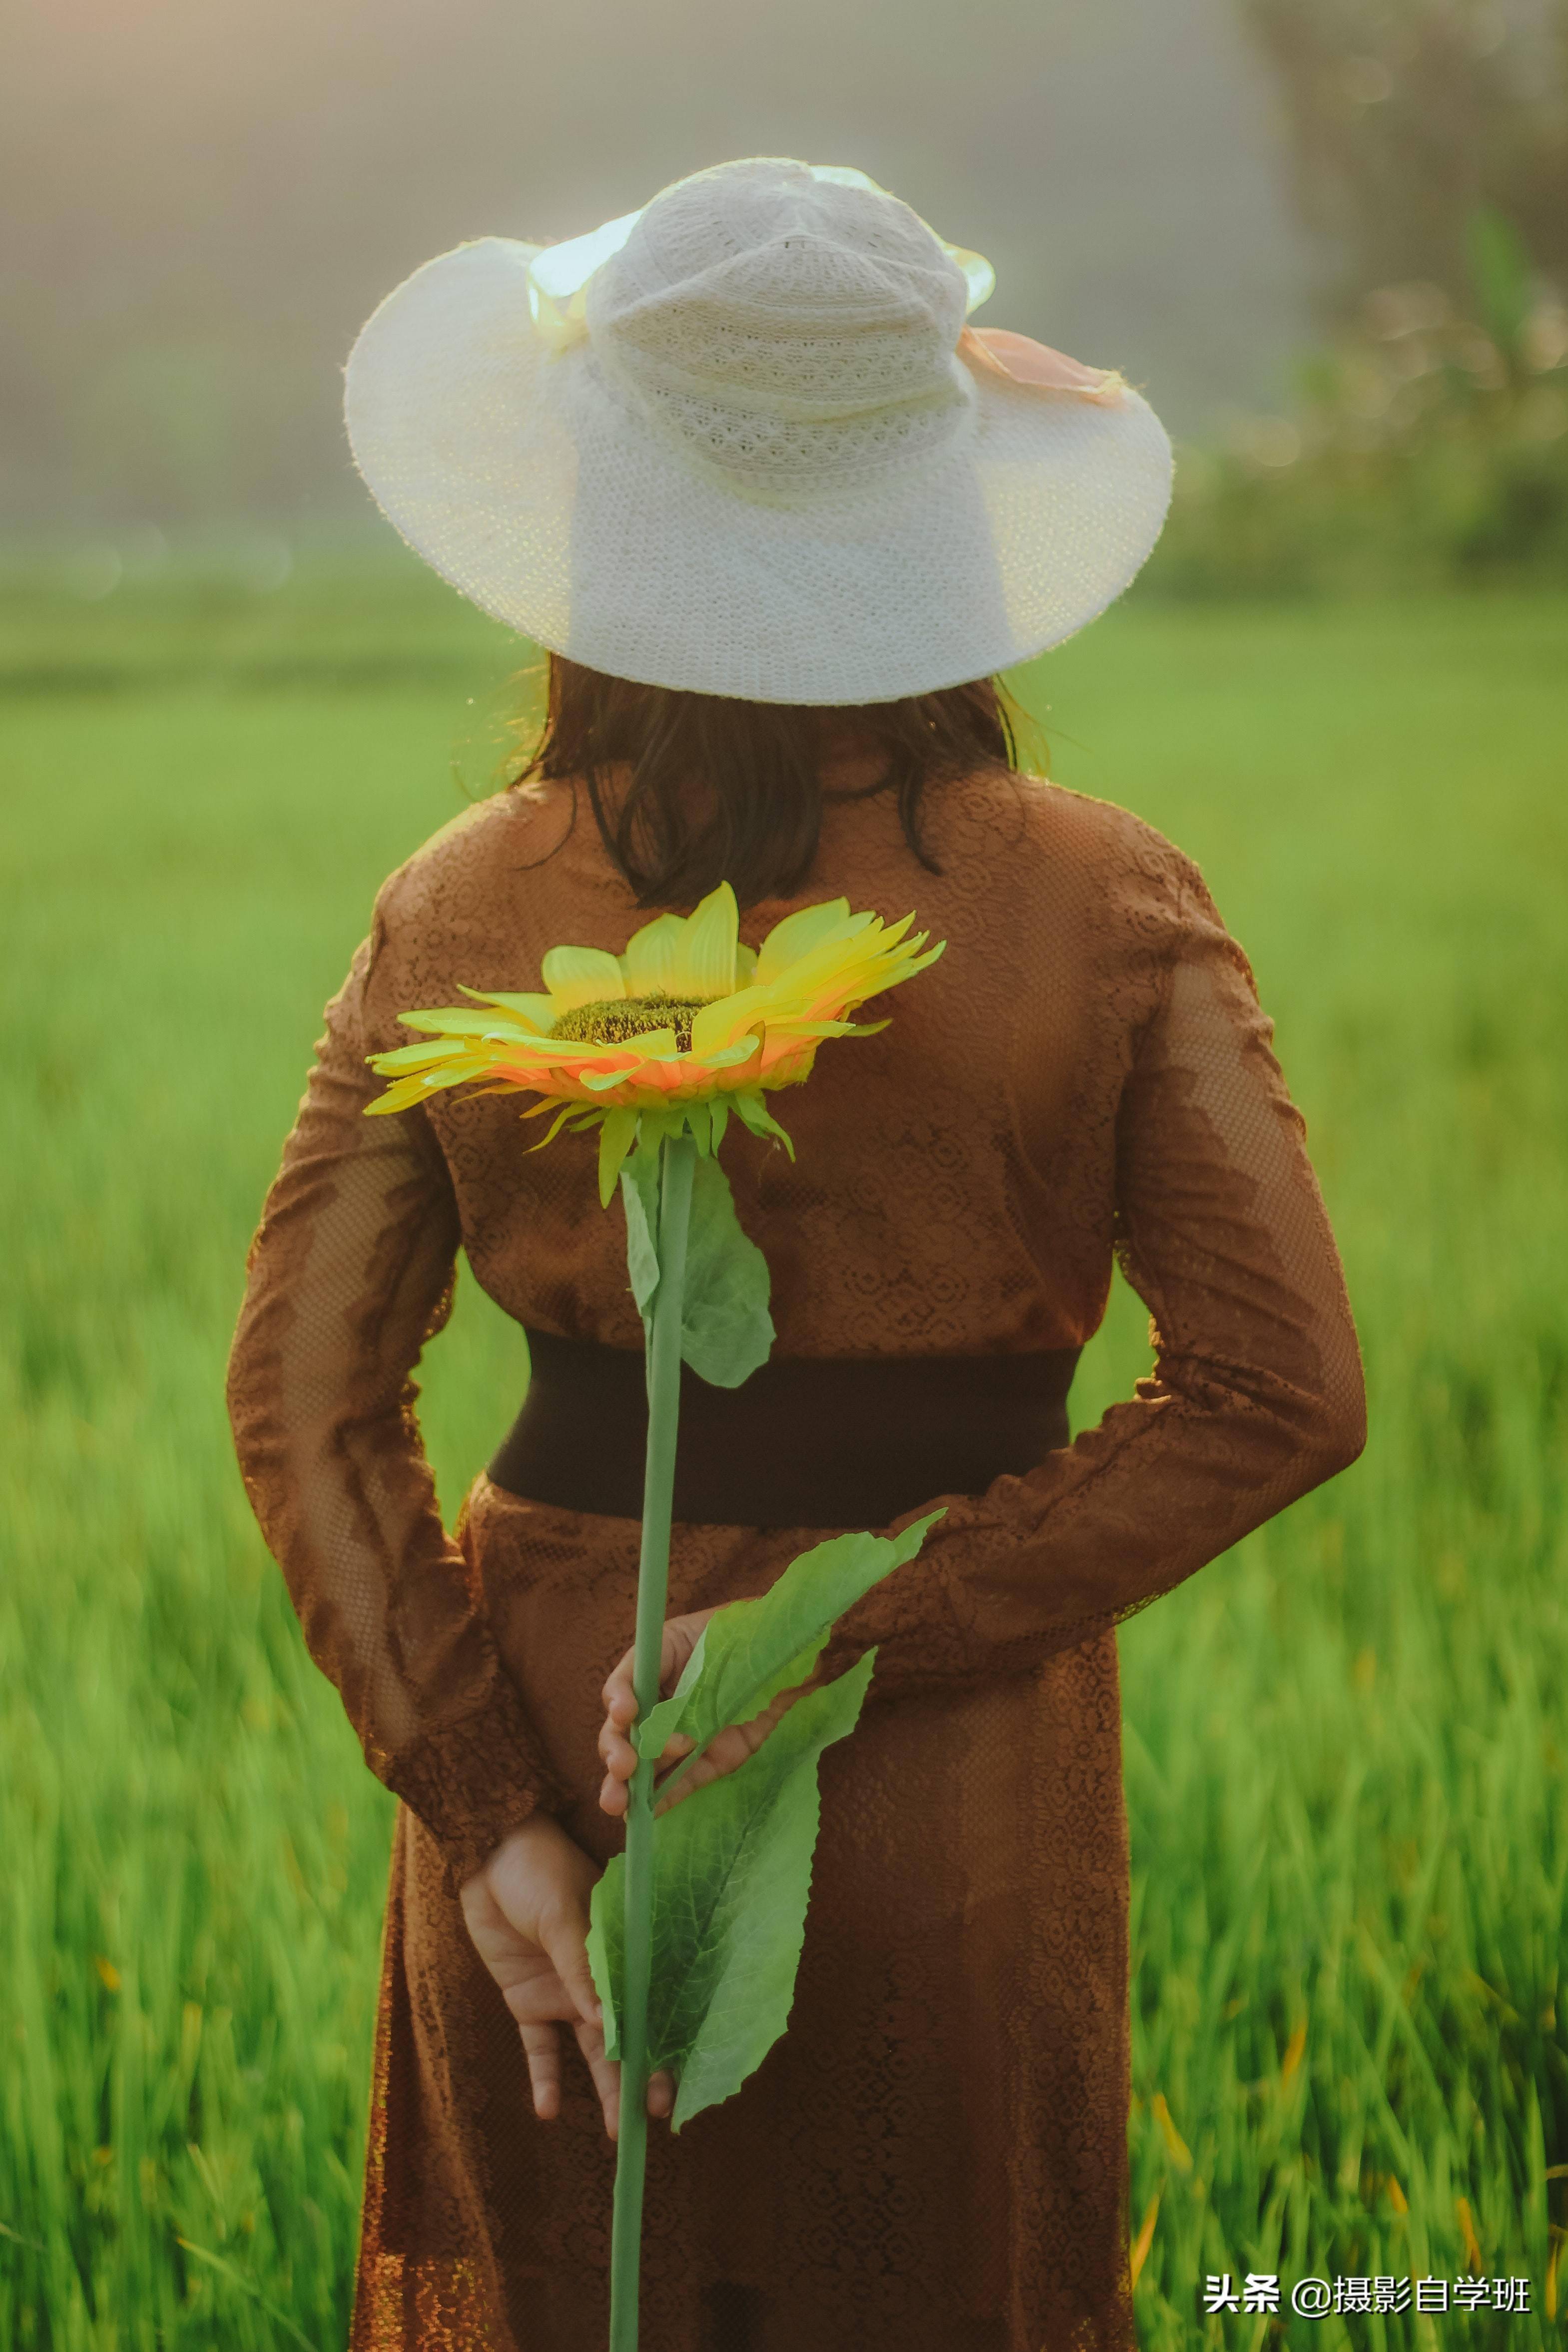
[(558, 279), (996, 351)]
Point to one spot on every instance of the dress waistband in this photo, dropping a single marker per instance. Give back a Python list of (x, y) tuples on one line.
[(808, 1440)]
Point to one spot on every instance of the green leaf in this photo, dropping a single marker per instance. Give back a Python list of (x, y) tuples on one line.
[(751, 1650), (726, 1330), (639, 1192), (700, 1126), (607, 1905), (731, 1878), (615, 1134), (756, 1114)]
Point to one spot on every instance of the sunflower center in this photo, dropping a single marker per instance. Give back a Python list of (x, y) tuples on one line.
[(613, 1020)]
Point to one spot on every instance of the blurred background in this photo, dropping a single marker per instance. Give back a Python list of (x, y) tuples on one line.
[(1330, 239)]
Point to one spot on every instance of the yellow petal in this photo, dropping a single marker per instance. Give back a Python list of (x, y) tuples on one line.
[(801, 932), (725, 1058), (534, 1012), (721, 1023), (846, 970), (417, 1057), (654, 957), (565, 1111), (582, 976), (705, 966), (745, 965), (473, 1022), (397, 1097)]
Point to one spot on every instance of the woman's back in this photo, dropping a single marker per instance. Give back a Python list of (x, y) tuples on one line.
[(953, 1183), (1085, 1068)]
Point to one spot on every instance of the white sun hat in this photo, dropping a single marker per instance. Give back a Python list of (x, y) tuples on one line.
[(742, 442)]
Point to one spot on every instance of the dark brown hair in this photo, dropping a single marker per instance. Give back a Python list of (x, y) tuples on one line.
[(753, 769)]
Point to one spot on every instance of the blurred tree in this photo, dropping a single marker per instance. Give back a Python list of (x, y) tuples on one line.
[(1411, 121), (1429, 439)]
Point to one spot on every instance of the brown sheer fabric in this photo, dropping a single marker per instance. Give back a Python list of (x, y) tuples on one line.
[(351, 1272), (935, 2155)]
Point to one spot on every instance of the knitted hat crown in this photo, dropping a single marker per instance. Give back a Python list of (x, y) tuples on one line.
[(743, 443), (795, 333)]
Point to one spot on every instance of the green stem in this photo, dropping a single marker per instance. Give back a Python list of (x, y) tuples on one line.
[(676, 1162)]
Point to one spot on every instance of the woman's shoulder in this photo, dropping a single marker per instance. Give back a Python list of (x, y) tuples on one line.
[(459, 869), (1029, 829), (1077, 836)]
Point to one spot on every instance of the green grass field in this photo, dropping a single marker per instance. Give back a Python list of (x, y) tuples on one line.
[(1347, 1743)]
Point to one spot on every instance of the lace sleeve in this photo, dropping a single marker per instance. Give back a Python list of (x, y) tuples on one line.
[(1256, 1394), (350, 1273)]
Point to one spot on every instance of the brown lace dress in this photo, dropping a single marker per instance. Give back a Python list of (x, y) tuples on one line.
[(933, 2158)]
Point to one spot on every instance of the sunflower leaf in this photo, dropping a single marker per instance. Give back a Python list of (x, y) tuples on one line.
[(616, 1136), (754, 1112), (731, 1875), (751, 1650), (700, 1126), (726, 1330), (639, 1192)]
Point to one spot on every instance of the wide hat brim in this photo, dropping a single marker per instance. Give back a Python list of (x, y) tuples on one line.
[(535, 484)]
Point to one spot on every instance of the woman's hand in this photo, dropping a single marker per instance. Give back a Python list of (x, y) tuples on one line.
[(527, 1913), (725, 1752)]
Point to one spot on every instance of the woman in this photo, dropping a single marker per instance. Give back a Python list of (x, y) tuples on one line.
[(781, 516)]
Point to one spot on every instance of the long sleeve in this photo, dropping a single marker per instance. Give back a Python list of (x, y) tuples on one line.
[(1256, 1394), (350, 1273)]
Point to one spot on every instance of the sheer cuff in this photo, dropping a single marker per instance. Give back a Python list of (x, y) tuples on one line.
[(920, 1618), (473, 1781)]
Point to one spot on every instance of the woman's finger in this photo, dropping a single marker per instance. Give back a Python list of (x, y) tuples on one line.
[(709, 1766), (679, 1637), (620, 1698), (619, 1755), (725, 1752), (622, 1758), (542, 2045), (606, 2074), (622, 1761), (563, 1937), (606, 2071)]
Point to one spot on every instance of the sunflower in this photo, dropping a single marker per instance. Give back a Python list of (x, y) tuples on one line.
[(668, 1038)]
